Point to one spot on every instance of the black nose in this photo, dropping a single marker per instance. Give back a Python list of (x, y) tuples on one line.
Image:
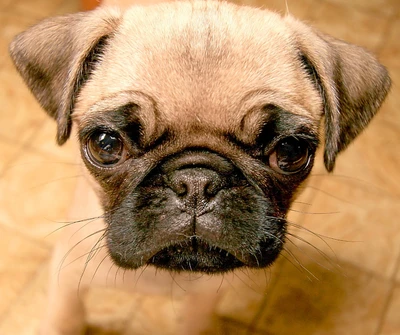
[(195, 185)]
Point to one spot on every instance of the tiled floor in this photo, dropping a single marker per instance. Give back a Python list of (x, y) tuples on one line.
[(341, 273)]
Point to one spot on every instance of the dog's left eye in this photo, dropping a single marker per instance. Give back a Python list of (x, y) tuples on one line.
[(105, 148), (291, 155)]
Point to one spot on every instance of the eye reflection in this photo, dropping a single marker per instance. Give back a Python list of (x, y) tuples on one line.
[(105, 148), (291, 155)]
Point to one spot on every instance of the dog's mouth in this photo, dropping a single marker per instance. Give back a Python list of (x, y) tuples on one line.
[(196, 212), (195, 255)]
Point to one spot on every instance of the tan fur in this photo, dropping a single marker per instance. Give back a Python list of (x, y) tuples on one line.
[(198, 67)]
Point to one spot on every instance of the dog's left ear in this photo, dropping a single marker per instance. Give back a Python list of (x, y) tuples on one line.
[(353, 85), (56, 57)]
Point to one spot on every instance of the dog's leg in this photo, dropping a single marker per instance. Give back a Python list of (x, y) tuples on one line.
[(65, 311), (198, 309), (71, 271), (197, 316)]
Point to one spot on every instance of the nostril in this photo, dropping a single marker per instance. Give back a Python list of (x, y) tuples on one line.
[(195, 183), (212, 188), (180, 188)]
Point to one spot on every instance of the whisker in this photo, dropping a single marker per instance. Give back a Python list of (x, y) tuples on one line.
[(98, 267), (323, 254), (116, 276), (90, 255), (299, 266), (88, 220), (220, 284), (320, 236), (360, 182), (55, 181), (268, 277), (251, 279), (108, 272), (175, 281), (140, 274), (70, 223), (332, 196), (94, 251), (301, 203), (312, 213), (82, 256), (75, 245), (291, 254)]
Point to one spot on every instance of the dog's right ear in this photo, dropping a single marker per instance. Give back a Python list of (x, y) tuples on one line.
[(56, 57)]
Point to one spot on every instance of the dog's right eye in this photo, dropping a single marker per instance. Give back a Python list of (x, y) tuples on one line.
[(105, 149), (291, 155)]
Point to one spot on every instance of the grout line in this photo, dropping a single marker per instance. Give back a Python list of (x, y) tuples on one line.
[(380, 277), (29, 284), (32, 14), (386, 34), (237, 324), (253, 326), (389, 297), (25, 146), (361, 9), (39, 242), (7, 7), (21, 146), (9, 163)]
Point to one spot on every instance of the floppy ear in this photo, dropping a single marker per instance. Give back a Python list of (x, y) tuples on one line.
[(353, 85), (56, 57)]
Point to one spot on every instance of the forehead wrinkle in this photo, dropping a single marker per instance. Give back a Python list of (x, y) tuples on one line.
[(148, 56), (274, 122)]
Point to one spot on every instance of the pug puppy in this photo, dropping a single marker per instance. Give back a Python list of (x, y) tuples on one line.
[(197, 124)]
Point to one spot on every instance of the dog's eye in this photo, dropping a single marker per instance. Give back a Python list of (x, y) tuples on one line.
[(105, 148), (291, 155)]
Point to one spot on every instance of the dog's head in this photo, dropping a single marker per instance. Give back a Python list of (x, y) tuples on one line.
[(199, 121)]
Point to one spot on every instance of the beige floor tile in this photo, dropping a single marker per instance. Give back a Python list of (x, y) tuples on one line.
[(20, 114), (230, 328), (390, 113), (372, 161), (390, 52), (4, 4), (19, 15), (302, 204), (36, 194), (26, 313), (244, 298), (67, 7), (10, 25), (21, 258), (391, 324), (44, 142), (341, 301), (385, 7), (36, 8), (9, 152), (37, 188), (356, 224), (297, 8), (365, 29)]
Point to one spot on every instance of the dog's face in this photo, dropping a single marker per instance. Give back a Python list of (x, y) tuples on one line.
[(198, 121)]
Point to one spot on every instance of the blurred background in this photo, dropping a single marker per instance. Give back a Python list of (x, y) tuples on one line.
[(340, 273)]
